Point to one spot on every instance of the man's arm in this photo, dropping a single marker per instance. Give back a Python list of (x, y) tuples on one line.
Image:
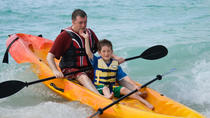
[(119, 59), (51, 63)]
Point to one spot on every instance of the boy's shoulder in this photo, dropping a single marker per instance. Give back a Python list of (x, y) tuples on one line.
[(97, 57)]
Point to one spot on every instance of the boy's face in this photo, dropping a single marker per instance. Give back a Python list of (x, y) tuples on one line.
[(106, 53)]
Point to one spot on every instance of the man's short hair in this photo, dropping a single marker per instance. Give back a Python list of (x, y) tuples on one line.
[(78, 12)]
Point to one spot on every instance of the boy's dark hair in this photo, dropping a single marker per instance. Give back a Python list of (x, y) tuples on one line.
[(104, 42), (78, 12)]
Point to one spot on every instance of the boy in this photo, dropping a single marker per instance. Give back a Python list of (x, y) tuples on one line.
[(107, 71)]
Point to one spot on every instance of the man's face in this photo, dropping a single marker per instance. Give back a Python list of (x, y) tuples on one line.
[(80, 23)]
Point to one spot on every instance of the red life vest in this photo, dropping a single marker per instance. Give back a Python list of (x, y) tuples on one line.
[(75, 56)]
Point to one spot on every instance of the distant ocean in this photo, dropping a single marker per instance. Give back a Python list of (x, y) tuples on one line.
[(133, 26)]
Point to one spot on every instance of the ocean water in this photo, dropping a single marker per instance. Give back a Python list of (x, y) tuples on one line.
[(133, 26)]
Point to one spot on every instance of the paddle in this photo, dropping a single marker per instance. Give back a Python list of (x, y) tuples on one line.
[(11, 87), (158, 77)]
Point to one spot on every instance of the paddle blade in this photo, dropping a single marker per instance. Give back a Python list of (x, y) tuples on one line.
[(8, 88), (155, 52)]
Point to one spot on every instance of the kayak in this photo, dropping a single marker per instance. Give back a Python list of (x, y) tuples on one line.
[(25, 48)]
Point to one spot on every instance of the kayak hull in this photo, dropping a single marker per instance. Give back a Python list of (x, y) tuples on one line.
[(33, 49)]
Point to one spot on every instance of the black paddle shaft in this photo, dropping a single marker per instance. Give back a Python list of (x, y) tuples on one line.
[(131, 58)]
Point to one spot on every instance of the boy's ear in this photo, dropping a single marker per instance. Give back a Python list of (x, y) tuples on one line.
[(99, 52)]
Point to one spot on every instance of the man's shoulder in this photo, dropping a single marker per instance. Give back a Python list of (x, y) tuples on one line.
[(90, 29), (64, 35), (92, 32)]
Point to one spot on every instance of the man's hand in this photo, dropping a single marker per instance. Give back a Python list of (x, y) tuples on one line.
[(120, 60), (58, 74)]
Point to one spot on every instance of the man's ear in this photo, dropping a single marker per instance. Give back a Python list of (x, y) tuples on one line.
[(73, 21)]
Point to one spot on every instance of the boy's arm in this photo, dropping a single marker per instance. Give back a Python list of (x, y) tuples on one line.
[(125, 80), (87, 44), (87, 49), (129, 80), (129, 83)]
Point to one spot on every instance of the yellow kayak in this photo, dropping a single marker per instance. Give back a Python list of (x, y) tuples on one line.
[(34, 49)]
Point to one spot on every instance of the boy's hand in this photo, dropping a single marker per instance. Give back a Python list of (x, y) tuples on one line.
[(143, 94), (84, 33), (137, 87)]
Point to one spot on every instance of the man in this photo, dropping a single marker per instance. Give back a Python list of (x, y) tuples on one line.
[(70, 47)]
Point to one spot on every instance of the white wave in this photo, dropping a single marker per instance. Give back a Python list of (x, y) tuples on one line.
[(48, 110), (192, 87), (201, 74)]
